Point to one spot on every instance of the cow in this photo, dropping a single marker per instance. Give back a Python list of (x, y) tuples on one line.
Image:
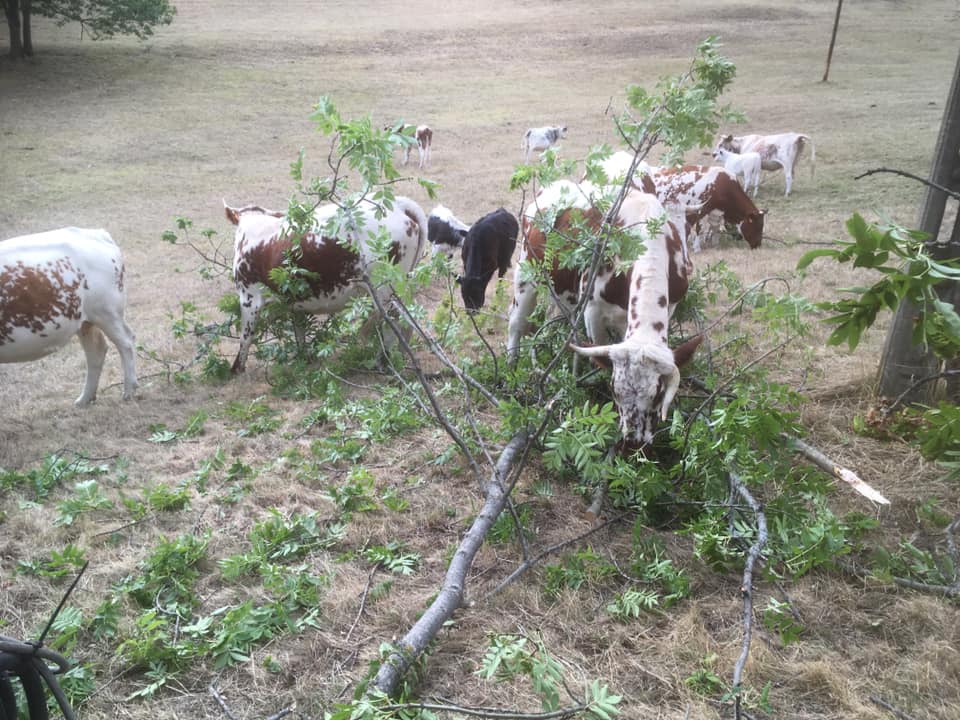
[(540, 138), (646, 372), (776, 151), (488, 247), (618, 164), (61, 283), (745, 167), (336, 253), (445, 231), (566, 207), (703, 191), (422, 134)]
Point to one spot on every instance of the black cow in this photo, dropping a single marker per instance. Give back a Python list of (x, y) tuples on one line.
[(489, 245)]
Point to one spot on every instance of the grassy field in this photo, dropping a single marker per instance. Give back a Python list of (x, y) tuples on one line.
[(128, 136)]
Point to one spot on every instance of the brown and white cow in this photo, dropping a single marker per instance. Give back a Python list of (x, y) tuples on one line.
[(422, 134), (335, 268), (706, 192), (61, 283), (776, 151)]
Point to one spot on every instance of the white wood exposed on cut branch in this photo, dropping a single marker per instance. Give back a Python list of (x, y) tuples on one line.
[(839, 472)]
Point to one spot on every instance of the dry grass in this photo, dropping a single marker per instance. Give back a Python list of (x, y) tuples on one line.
[(127, 136)]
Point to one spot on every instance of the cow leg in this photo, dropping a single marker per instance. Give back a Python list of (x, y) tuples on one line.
[(406, 154), (122, 337), (95, 348), (524, 300), (251, 300)]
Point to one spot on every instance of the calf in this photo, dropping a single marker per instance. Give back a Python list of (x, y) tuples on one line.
[(327, 252), (540, 138), (702, 191), (424, 139), (57, 284), (745, 167), (445, 232), (776, 151), (488, 247)]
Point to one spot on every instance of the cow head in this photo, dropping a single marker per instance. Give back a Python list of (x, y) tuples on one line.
[(751, 229), (728, 142), (473, 289), (646, 377)]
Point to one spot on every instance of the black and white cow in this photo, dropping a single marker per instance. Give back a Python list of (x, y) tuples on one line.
[(540, 138), (445, 231)]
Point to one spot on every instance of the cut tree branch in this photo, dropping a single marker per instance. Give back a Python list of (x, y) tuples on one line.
[(841, 473), (451, 595), (952, 193)]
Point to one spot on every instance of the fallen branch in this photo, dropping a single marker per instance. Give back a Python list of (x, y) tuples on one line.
[(887, 706), (221, 702), (451, 595), (282, 714), (841, 473), (496, 713), (952, 193), (746, 586), (922, 381)]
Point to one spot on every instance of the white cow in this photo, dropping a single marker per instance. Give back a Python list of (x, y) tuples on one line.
[(745, 166), (540, 138), (776, 151), (61, 283), (617, 165)]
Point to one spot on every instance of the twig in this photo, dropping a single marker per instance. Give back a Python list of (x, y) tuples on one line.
[(549, 551), (746, 587), (282, 714), (363, 601), (896, 712), (496, 713), (948, 590), (221, 702), (929, 378), (952, 193)]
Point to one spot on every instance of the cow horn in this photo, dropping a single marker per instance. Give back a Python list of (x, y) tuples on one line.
[(669, 392), (592, 350)]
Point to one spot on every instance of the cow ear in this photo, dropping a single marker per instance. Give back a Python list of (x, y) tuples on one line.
[(728, 138), (232, 215), (682, 353)]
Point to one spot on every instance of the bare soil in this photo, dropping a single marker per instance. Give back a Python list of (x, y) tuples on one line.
[(128, 136)]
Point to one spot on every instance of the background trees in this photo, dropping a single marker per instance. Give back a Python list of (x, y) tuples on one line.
[(100, 18)]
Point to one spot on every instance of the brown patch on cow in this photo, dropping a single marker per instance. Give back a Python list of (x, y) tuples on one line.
[(332, 265), (566, 281), (616, 290), (662, 301), (658, 326), (34, 298)]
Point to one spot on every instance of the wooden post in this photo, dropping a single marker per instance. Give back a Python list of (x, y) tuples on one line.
[(833, 40), (903, 363)]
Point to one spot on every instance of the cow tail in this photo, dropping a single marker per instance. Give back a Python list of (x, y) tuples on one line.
[(416, 213)]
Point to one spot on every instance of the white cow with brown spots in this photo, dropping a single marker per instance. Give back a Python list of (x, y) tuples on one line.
[(327, 252), (539, 139), (61, 283), (776, 151)]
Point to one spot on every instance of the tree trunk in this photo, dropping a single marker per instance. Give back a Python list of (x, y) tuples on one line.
[(833, 40), (12, 11), (903, 363), (27, 34)]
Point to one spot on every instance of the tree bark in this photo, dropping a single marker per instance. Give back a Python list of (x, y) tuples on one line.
[(408, 650), (12, 11), (902, 362), (833, 40), (25, 28)]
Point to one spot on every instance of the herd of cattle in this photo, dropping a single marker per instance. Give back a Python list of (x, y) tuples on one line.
[(56, 284)]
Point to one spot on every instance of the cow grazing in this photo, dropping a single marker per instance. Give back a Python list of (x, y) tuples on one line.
[(261, 244), (57, 284), (445, 231), (540, 138), (488, 247), (703, 191), (745, 167), (776, 151), (646, 372)]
